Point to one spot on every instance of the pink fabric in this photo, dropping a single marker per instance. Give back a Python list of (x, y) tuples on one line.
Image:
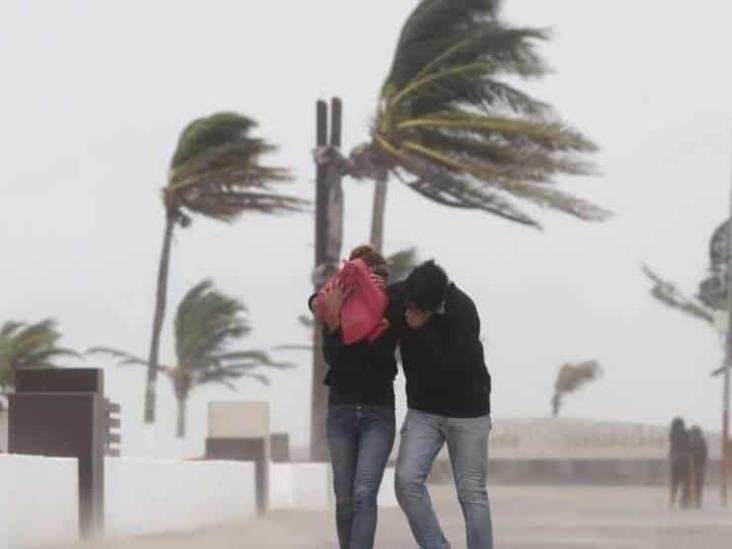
[(362, 313)]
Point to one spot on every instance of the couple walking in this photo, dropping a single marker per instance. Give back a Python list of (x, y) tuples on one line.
[(436, 328), (688, 456)]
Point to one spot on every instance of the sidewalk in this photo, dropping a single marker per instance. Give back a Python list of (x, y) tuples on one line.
[(566, 517)]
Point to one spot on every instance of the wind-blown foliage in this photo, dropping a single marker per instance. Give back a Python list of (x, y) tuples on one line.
[(216, 171), (207, 323), (668, 294), (24, 345), (570, 378), (401, 263), (452, 128)]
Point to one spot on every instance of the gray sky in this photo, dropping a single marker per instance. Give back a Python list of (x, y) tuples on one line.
[(94, 95)]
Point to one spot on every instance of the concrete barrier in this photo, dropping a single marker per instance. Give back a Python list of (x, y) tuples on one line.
[(39, 502), (309, 486), (148, 496), (240, 431)]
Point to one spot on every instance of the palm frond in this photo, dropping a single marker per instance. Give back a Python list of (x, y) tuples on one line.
[(216, 171), (668, 294), (433, 27), (206, 322), (293, 347), (123, 357), (572, 376), (255, 358), (401, 263), (306, 321), (204, 134), (24, 345), (452, 127)]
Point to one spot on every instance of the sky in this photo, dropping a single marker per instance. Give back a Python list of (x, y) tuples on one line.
[(94, 95)]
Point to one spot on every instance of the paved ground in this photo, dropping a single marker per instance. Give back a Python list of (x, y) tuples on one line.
[(524, 518)]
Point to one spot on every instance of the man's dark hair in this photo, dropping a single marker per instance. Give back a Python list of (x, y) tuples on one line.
[(425, 286)]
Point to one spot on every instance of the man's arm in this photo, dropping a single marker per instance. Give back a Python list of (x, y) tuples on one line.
[(462, 332)]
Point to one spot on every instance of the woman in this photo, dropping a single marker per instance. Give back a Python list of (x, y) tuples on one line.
[(360, 422), (680, 458)]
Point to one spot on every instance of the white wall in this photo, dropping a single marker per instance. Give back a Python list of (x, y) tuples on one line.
[(309, 486), (145, 496), (38, 501)]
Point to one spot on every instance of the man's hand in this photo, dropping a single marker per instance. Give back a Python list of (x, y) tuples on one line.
[(416, 319), (334, 297)]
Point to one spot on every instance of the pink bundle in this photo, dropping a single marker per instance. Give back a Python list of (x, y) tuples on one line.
[(362, 313)]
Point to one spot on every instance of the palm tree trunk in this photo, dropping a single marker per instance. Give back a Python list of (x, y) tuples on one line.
[(180, 430), (160, 302), (556, 404), (377, 214)]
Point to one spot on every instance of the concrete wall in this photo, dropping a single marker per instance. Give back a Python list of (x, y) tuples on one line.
[(558, 472), (38, 501), (148, 496), (309, 486)]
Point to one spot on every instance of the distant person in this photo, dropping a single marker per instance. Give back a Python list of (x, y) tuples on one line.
[(448, 395), (680, 462), (698, 451), (360, 422)]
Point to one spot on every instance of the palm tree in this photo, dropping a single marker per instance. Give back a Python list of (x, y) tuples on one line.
[(215, 172), (570, 378), (206, 324), (451, 127), (24, 345), (667, 293)]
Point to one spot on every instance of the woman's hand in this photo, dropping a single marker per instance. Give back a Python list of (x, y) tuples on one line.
[(380, 282), (333, 298)]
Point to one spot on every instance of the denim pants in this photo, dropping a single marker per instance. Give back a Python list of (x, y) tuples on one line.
[(422, 437), (360, 440)]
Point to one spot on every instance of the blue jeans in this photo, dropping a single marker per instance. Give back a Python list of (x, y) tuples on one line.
[(360, 440), (423, 435)]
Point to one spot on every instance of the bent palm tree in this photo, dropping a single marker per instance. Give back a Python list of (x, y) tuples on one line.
[(451, 127), (215, 172), (25, 345), (206, 324), (570, 378)]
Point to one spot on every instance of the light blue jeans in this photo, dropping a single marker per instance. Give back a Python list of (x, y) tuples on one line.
[(423, 435), (360, 440)]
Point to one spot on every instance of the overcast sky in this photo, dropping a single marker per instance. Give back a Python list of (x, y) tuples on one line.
[(93, 96)]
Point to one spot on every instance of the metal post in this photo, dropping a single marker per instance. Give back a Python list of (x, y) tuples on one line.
[(728, 365)]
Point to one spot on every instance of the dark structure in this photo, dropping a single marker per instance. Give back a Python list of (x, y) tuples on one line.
[(328, 242), (63, 413), (280, 447)]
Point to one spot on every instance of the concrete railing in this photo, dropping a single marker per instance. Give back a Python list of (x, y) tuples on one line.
[(145, 496), (38, 501)]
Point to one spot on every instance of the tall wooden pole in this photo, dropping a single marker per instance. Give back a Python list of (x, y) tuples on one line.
[(328, 241)]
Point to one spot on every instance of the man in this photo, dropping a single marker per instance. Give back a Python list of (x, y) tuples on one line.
[(448, 396), (698, 451)]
